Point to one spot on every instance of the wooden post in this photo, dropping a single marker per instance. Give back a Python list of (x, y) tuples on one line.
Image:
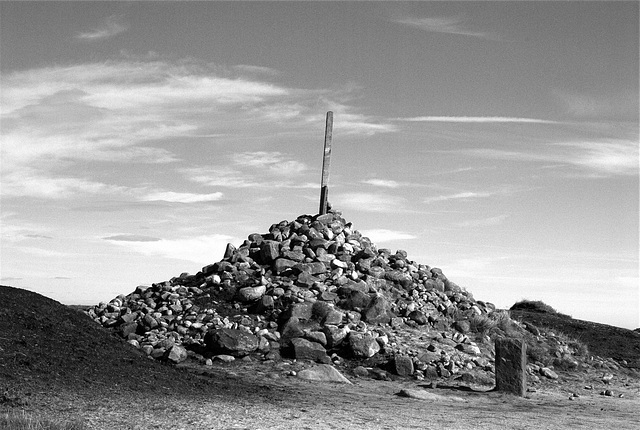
[(326, 163)]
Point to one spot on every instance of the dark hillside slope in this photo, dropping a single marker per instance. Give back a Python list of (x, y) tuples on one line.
[(45, 344), (603, 340)]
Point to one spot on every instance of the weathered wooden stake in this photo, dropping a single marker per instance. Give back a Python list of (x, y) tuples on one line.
[(326, 163)]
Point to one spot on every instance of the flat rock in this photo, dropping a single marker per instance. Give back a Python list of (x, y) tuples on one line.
[(323, 373), (304, 349), (249, 294), (231, 341), (426, 395)]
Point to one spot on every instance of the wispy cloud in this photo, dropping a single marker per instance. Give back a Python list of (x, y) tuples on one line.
[(38, 236), (257, 69), (135, 111), (30, 182), (369, 202), (260, 169), (467, 195), (449, 25), (274, 162), (173, 197), (382, 235), (611, 157), (620, 106), (111, 26), (131, 238), (484, 222), (476, 119), (384, 183), (200, 249)]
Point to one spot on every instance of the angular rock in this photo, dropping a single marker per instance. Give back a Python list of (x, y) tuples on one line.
[(511, 366), (426, 395), (282, 264), (377, 312), (176, 354), (462, 326), (334, 335), (269, 251), (419, 317), (314, 268), (548, 373), (403, 365), (304, 349), (363, 345), (323, 373), (150, 321), (306, 279), (250, 294), (224, 358), (316, 336), (127, 329), (230, 341)]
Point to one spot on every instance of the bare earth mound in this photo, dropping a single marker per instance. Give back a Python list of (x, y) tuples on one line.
[(620, 344)]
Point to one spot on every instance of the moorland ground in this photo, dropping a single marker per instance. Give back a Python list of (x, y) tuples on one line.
[(58, 364)]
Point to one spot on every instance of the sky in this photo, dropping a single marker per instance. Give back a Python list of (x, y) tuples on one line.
[(497, 141)]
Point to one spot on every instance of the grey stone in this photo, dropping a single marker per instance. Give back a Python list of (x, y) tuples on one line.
[(282, 264), (419, 317), (363, 345), (250, 294), (224, 358), (360, 371), (548, 373), (176, 354), (462, 326), (150, 321), (378, 311), (230, 341), (511, 366), (426, 395), (334, 335), (316, 336), (304, 349), (323, 373), (269, 251), (314, 268), (403, 365), (129, 328)]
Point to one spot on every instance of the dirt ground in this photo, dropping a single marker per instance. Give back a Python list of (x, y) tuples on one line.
[(266, 396), (57, 363)]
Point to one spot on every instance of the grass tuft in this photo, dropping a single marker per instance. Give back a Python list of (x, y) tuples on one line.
[(23, 421), (533, 306)]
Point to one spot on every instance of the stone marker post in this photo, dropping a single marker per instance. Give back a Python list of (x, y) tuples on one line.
[(511, 366), (326, 162)]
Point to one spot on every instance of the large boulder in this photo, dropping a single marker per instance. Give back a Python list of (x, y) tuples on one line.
[(250, 294), (230, 341), (334, 334), (323, 373), (378, 311), (363, 345), (176, 354), (304, 349)]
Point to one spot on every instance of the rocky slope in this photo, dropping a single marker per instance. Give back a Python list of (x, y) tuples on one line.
[(316, 289)]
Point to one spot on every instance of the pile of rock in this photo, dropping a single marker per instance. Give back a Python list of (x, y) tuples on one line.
[(313, 289)]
